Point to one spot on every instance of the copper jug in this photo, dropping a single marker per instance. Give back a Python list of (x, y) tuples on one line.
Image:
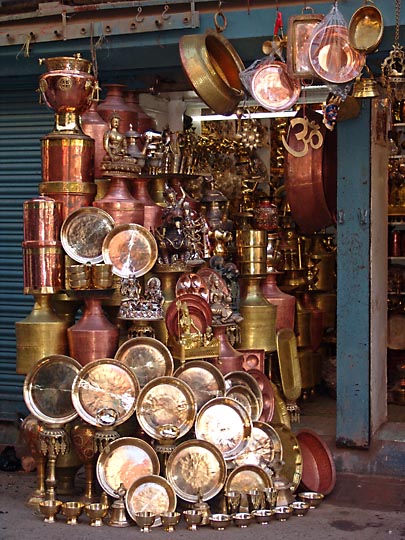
[(95, 127), (285, 302), (114, 103)]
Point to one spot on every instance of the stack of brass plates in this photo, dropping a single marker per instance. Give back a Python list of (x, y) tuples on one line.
[(205, 380)]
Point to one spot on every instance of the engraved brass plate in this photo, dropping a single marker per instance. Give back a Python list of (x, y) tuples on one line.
[(226, 424), (292, 457), (196, 469), (48, 389), (83, 233), (150, 493), (104, 392), (289, 364), (264, 446), (166, 408), (123, 461), (246, 398), (246, 477), (148, 357), (245, 379), (205, 380)]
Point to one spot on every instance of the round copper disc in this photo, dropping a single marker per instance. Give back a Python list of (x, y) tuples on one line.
[(318, 467), (273, 87)]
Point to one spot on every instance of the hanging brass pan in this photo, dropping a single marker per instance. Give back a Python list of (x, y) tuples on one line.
[(366, 28)]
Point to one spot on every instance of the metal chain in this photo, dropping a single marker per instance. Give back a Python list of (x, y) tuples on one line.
[(397, 14)]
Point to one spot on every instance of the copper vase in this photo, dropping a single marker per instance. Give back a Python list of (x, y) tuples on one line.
[(285, 302), (144, 122), (114, 103), (95, 127), (119, 202), (152, 213), (229, 359)]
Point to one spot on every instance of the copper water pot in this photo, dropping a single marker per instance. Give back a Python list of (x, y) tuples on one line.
[(114, 103), (285, 302), (42, 220), (120, 204), (72, 195), (144, 122), (152, 213), (229, 359), (95, 127)]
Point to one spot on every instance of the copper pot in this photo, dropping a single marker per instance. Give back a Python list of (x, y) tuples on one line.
[(144, 122), (95, 127), (229, 359), (285, 303), (120, 204), (114, 103)]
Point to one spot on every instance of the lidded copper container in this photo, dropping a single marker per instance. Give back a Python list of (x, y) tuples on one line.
[(43, 268), (42, 220), (114, 103)]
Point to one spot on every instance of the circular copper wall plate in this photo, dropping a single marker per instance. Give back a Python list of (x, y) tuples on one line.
[(199, 310), (318, 467), (273, 87)]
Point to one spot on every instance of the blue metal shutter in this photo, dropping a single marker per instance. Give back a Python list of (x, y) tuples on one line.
[(22, 124)]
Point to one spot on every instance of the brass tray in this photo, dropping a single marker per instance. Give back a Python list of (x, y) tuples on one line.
[(204, 379), (267, 393), (197, 470), (246, 398), (300, 29), (292, 457), (83, 233), (123, 461), (242, 377), (48, 389), (104, 392), (263, 448), (151, 493), (289, 364), (366, 28), (273, 87), (148, 357), (247, 477), (281, 414), (131, 249), (166, 408), (226, 424)]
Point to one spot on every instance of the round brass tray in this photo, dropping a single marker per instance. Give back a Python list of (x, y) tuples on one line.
[(151, 493), (83, 233), (204, 379), (123, 461), (226, 424), (366, 28), (263, 448), (104, 392), (148, 357), (196, 469), (131, 249), (273, 87), (48, 389), (247, 477), (245, 379), (166, 408), (267, 393), (246, 398), (292, 457)]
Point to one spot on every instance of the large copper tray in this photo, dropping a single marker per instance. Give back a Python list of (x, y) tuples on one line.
[(148, 357), (123, 461), (204, 379), (131, 249), (83, 233), (226, 424), (166, 408), (48, 389), (292, 457), (246, 398), (289, 363), (104, 392), (245, 379), (273, 87), (196, 469), (199, 311), (151, 493), (263, 448)]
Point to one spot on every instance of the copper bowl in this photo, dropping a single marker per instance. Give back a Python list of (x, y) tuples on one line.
[(318, 466), (213, 66)]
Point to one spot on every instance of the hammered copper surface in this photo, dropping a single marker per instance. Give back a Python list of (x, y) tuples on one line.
[(243, 395), (83, 233), (67, 158), (48, 389), (292, 457), (123, 461), (196, 470), (42, 220), (104, 392), (150, 493), (43, 268), (264, 446), (273, 88)]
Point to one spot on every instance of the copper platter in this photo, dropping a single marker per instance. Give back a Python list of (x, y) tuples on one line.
[(151, 493), (289, 363), (226, 424), (104, 392), (243, 395), (318, 467), (199, 310), (166, 408), (204, 379), (190, 283), (273, 88), (123, 461), (267, 394), (131, 249), (207, 275), (300, 28), (83, 233), (264, 446), (48, 389), (247, 477), (148, 357), (292, 457), (196, 469), (245, 379)]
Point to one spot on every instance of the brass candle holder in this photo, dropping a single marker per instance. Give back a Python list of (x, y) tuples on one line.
[(53, 441)]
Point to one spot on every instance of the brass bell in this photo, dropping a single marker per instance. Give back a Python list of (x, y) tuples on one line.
[(365, 87)]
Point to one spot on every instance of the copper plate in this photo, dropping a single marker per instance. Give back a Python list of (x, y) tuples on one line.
[(48, 389), (300, 28), (166, 404), (123, 461), (318, 467), (196, 469), (292, 458), (151, 493), (199, 310), (289, 363), (243, 395), (273, 88), (264, 446), (83, 233), (204, 379), (247, 477), (267, 394), (131, 249), (147, 357), (332, 57), (104, 392), (190, 283), (242, 377), (226, 424)]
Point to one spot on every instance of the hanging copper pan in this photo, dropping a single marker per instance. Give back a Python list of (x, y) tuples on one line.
[(300, 28), (366, 28)]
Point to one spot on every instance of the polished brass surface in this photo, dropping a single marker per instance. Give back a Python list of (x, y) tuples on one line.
[(170, 520), (220, 521), (313, 498), (144, 520), (74, 63), (283, 513), (281, 414), (83, 439), (242, 378), (242, 519), (291, 468), (366, 28), (244, 478), (96, 512), (299, 508), (30, 430), (49, 509), (151, 493), (289, 364), (263, 447), (263, 516), (205, 380), (247, 399), (72, 510), (193, 518)]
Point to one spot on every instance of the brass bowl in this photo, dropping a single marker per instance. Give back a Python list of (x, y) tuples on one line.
[(366, 28), (313, 498), (96, 512), (170, 520), (193, 518), (144, 520), (282, 513), (49, 509), (263, 516), (242, 519), (299, 508), (219, 522), (72, 510)]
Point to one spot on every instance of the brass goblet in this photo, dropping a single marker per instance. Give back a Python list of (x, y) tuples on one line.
[(193, 518), (232, 499), (270, 497), (96, 512), (170, 520), (49, 509), (255, 499), (145, 520), (72, 510)]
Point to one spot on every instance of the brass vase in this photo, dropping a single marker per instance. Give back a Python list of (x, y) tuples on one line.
[(285, 302), (317, 319), (119, 203), (40, 334), (66, 468)]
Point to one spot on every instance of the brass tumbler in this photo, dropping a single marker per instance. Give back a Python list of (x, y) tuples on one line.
[(251, 248)]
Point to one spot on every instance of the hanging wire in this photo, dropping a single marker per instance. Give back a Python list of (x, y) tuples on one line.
[(25, 49)]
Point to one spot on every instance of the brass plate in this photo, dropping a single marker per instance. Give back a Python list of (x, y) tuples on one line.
[(48, 389), (166, 403), (292, 457), (246, 477), (124, 461), (104, 392), (204, 379), (150, 493), (246, 398), (273, 88), (245, 379), (147, 357), (196, 469), (264, 446), (300, 28), (83, 233), (267, 392), (131, 249), (281, 414), (226, 424), (289, 363)]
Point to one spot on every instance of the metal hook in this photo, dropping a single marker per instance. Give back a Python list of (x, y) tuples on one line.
[(165, 15), (138, 17)]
